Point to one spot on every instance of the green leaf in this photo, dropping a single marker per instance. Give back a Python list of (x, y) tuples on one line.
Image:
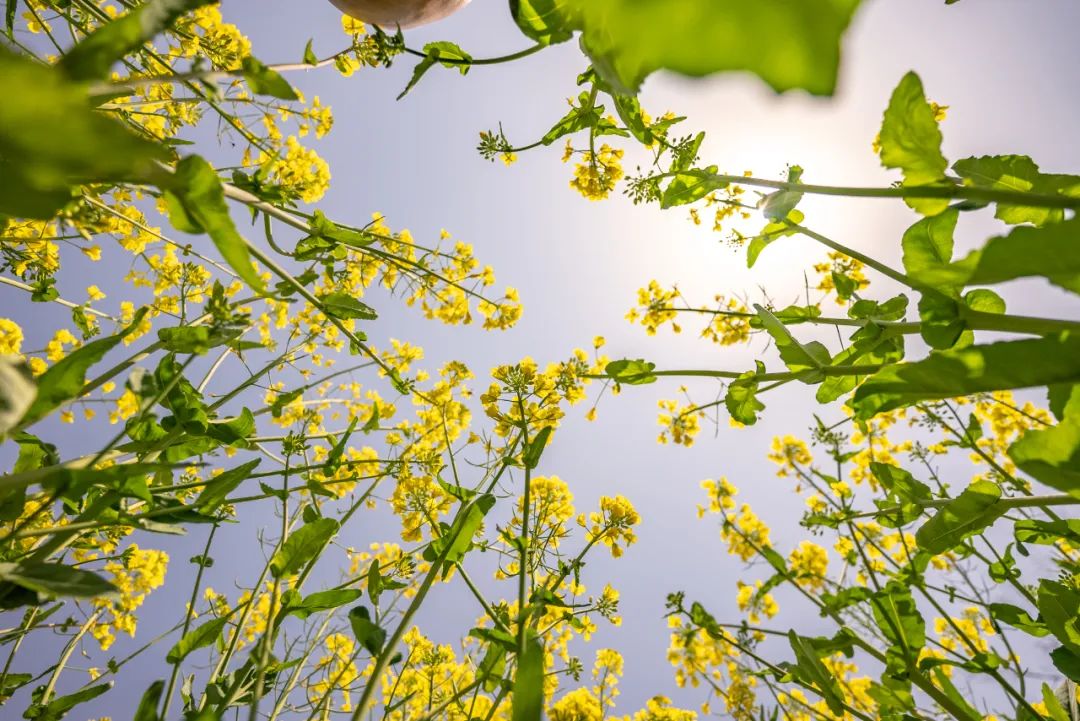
[(344, 306), (66, 379), (185, 339), (1018, 618), (776, 206), (741, 397), (264, 81), (1059, 608), (147, 710), (1052, 455), (773, 231), (59, 706), (1050, 252), (17, 392), (1018, 173), (368, 633), (1047, 533), (56, 579), (978, 369), (810, 669), (531, 457), (37, 173), (973, 511), (310, 57), (196, 190), (443, 52), (302, 546), (197, 638), (453, 544), (928, 244), (690, 187), (527, 701), (323, 601), (92, 58), (631, 372), (787, 44), (219, 487), (582, 116), (333, 459), (1066, 661), (911, 141), (805, 358), (545, 21)]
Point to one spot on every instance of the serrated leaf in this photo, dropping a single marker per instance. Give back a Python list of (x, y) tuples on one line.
[(911, 141), (972, 512), (1018, 173), (345, 306)]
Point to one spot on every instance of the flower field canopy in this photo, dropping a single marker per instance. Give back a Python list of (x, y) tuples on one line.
[(374, 531)]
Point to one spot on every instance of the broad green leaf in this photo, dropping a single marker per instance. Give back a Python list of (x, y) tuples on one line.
[(1051, 252), (1052, 455), (197, 638), (741, 397), (345, 306), (911, 141), (302, 546), (197, 204), (368, 633), (37, 171), (323, 601), (928, 244), (264, 81), (901, 483), (690, 187), (787, 44), (56, 579), (1053, 706), (527, 701), (791, 315), (978, 369), (57, 708), (1018, 173), (545, 21), (1047, 533), (631, 372), (972, 512), (219, 487), (810, 669), (1018, 618), (17, 392), (773, 231), (148, 705), (92, 58), (66, 379), (1066, 661), (185, 339), (1059, 609)]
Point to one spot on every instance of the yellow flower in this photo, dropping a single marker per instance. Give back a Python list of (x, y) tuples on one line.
[(94, 293), (11, 337), (596, 175)]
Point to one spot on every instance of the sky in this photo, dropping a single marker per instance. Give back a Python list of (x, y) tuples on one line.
[(1005, 68)]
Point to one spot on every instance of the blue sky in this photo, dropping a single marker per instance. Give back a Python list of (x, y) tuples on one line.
[(1007, 69)]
